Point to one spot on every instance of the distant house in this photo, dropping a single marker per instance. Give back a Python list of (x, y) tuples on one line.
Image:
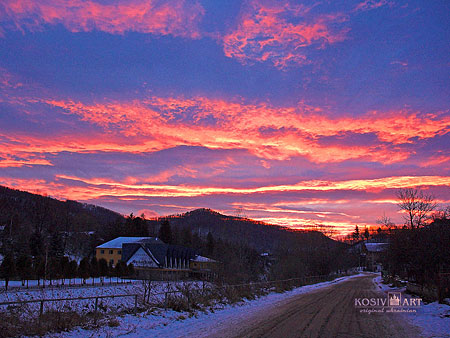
[(371, 254), (112, 251), (157, 260), (154, 259), (200, 263), (374, 255)]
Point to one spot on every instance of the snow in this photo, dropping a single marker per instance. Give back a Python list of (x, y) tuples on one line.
[(83, 306), (56, 283), (161, 323), (433, 319), (376, 247), (202, 259), (116, 243)]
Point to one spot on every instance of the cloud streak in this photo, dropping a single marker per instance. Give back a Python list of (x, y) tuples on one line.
[(177, 18)]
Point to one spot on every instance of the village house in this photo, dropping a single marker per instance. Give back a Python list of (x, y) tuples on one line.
[(371, 254), (154, 259), (374, 255), (112, 251)]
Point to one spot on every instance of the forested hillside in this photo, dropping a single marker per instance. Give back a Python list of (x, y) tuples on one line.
[(32, 225)]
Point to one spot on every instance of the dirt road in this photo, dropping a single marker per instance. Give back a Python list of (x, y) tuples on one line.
[(327, 312)]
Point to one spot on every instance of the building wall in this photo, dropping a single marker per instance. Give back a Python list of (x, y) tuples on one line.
[(109, 255), (202, 265)]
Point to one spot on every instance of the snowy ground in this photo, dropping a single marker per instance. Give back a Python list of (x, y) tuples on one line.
[(161, 323), (83, 306), (74, 282), (433, 319)]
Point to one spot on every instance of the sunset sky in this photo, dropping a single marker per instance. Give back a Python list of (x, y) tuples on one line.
[(294, 113)]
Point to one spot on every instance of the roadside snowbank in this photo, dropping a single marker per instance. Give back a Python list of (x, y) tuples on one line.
[(433, 319)]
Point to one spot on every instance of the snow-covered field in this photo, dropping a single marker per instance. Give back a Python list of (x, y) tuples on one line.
[(433, 319), (17, 284), (159, 323), (83, 306)]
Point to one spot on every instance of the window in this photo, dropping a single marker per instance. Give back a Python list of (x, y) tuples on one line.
[(110, 252), (102, 251), (119, 252), (111, 261)]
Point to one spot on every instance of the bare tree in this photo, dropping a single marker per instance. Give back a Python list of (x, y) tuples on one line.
[(417, 206), (442, 213), (327, 230), (385, 221)]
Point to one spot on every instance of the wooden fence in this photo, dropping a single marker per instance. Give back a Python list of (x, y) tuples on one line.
[(187, 294)]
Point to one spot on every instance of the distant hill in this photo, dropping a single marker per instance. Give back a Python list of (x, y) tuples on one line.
[(23, 213), (55, 214), (259, 235), (29, 222)]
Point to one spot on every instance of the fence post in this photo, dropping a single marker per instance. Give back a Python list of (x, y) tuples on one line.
[(41, 309), (135, 304), (165, 301), (95, 311), (188, 300)]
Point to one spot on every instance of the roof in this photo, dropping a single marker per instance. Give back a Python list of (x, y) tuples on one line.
[(158, 250), (117, 243), (202, 259), (376, 247)]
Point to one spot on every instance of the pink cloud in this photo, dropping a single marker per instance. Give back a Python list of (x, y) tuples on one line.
[(158, 123), (147, 213), (8, 80), (178, 17), (367, 5), (280, 33)]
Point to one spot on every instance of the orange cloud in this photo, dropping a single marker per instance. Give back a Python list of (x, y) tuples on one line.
[(97, 187), (269, 132), (178, 17), (279, 33)]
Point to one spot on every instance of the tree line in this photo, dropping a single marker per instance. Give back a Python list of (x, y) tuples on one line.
[(60, 268), (419, 251)]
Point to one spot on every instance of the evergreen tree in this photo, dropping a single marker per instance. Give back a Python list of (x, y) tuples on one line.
[(56, 245), (210, 244), (130, 269), (196, 241), (356, 234), (24, 268), (165, 232), (54, 270), (7, 269), (36, 244), (64, 264), (39, 267), (94, 271), (103, 268), (84, 269), (121, 269), (187, 237), (366, 233), (72, 269)]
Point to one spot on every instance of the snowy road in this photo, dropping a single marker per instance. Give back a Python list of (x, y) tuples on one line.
[(326, 312), (320, 310)]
